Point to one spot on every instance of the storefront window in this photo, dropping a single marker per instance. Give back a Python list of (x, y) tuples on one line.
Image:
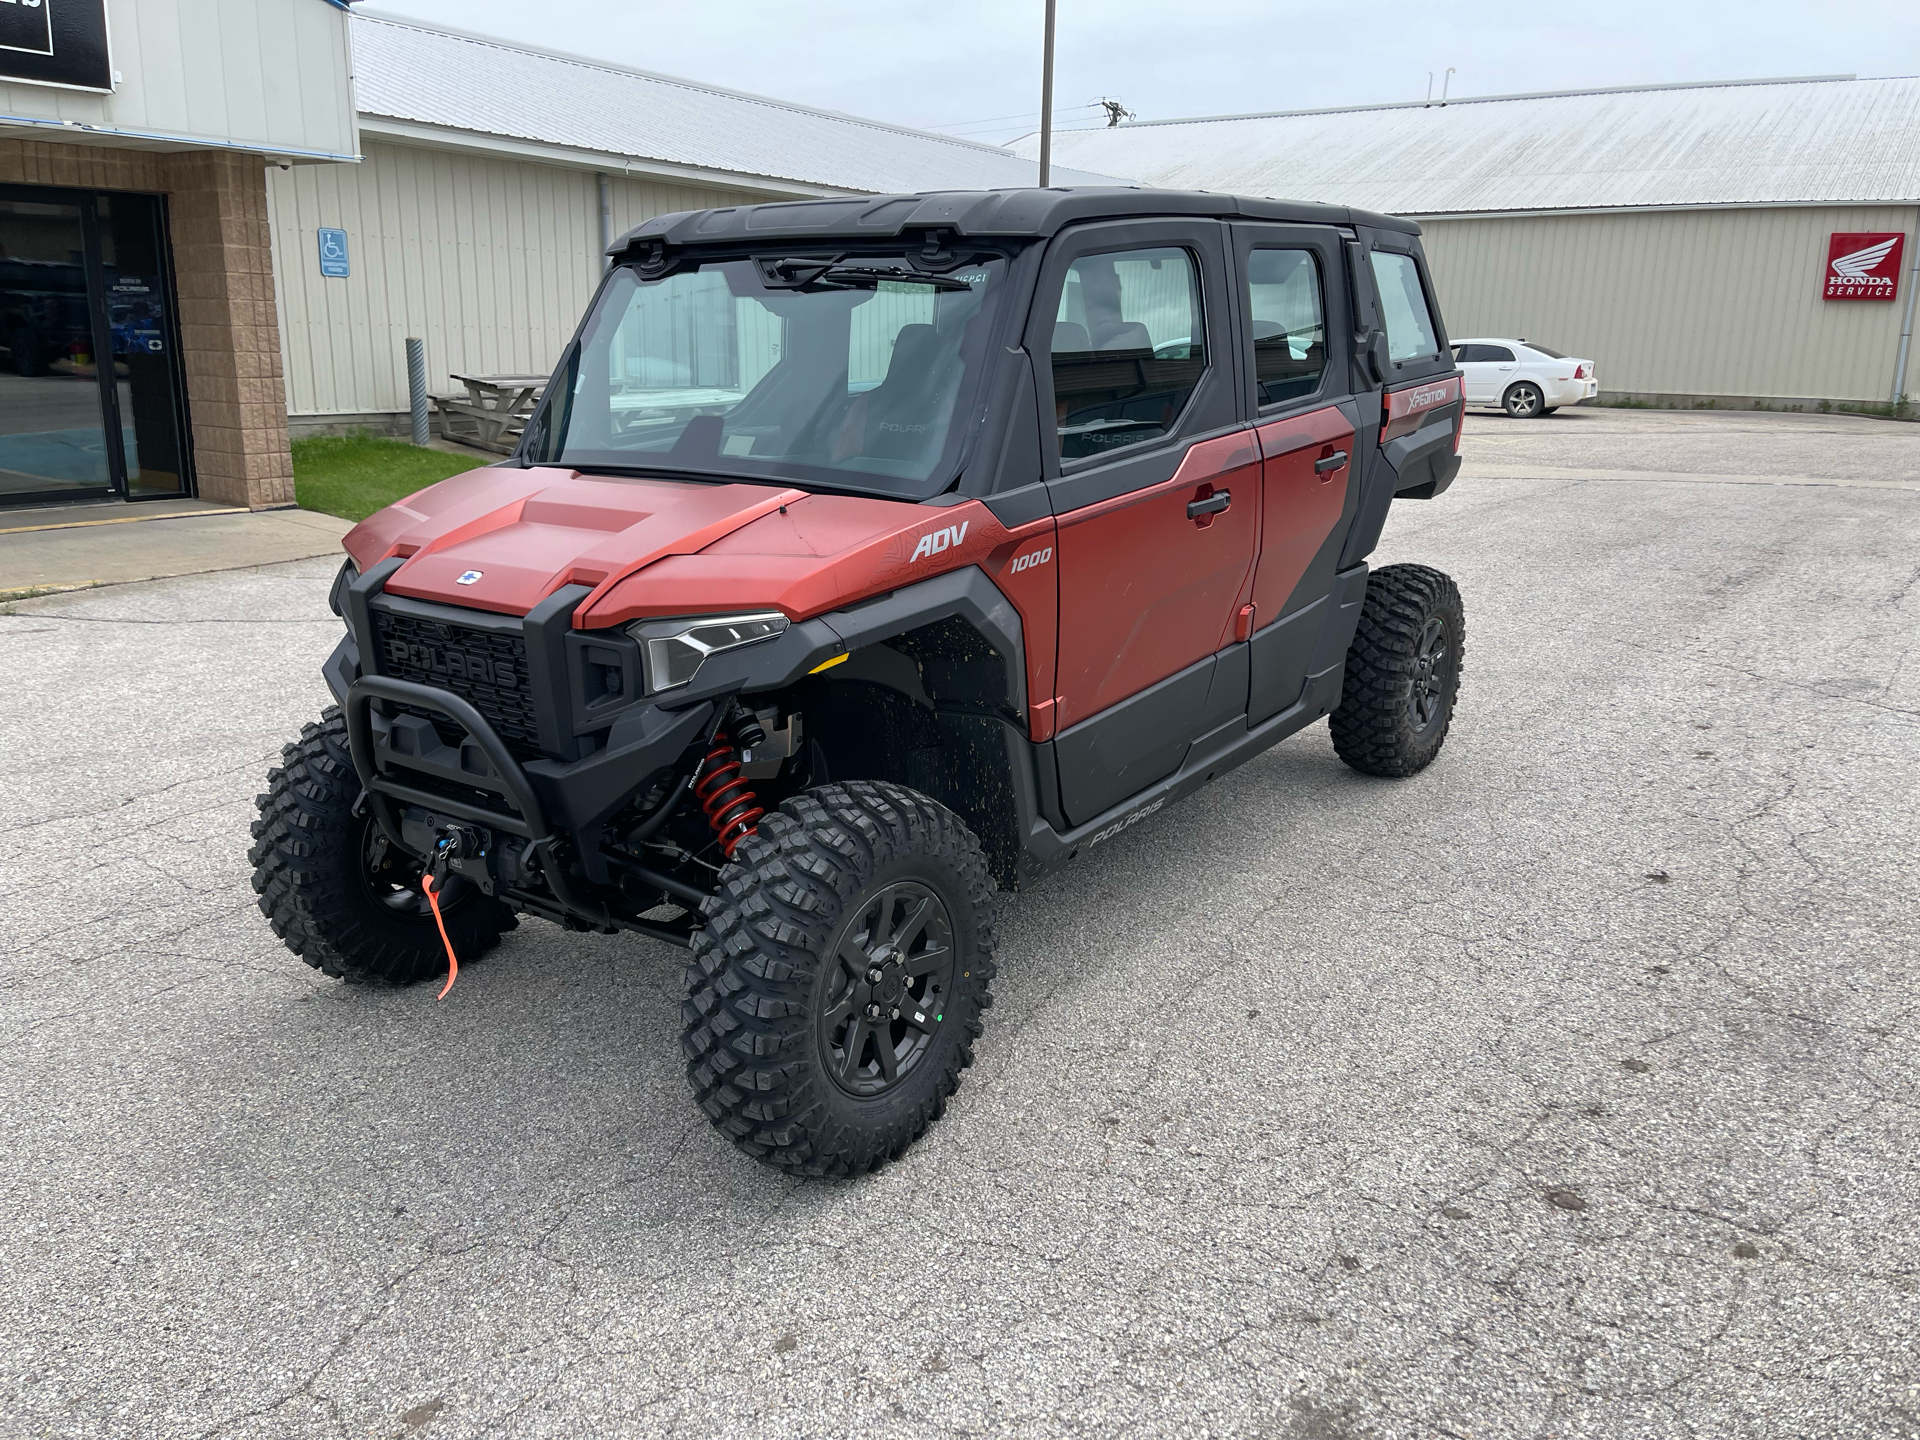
[(90, 396)]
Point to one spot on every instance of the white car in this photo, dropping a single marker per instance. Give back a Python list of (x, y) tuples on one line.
[(1524, 379)]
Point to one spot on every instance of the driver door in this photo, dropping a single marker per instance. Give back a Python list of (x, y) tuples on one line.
[(1155, 483)]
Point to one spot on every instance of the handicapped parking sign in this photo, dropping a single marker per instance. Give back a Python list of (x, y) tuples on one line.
[(333, 254)]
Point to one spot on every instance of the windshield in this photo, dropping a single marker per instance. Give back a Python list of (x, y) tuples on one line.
[(844, 374)]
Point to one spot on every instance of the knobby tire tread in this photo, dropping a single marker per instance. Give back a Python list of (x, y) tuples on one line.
[(749, 1036), (1371, 730), (301, 853)]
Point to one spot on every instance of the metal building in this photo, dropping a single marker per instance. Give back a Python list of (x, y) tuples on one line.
[(491, 178), (1696, 241), (141, 358)]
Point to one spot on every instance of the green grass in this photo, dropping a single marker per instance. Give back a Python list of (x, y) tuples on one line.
[(354, 475)]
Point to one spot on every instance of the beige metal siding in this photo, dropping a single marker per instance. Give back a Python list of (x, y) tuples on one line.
[(1692, 302), (490, 260), (267, 74)]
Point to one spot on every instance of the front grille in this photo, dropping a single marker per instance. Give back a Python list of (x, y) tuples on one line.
[(485, 668)]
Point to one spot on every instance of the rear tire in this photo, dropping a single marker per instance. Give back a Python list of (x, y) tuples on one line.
[(1403, 672), (23, 346), (343, 899), (860, 916), (1524, 401)]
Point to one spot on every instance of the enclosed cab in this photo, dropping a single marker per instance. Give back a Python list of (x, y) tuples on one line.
[(863, 556)]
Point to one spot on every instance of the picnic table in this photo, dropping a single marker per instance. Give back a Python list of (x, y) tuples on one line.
[(635, 410), (493, 413)]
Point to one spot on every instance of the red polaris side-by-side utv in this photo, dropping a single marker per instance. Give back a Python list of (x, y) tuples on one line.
[(864, 554)]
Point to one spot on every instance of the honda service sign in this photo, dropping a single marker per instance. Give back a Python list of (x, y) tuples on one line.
[(1863, 267), (55, 42)]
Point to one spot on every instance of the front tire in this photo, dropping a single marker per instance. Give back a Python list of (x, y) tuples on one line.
[(1524, 401), (336, 892), (1403, 672), (839, 985)]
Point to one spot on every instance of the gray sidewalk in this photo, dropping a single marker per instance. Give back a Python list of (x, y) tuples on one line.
[(76, 547)]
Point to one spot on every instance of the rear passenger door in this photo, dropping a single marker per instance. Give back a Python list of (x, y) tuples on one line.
[(1293, 315), (1155, 484)]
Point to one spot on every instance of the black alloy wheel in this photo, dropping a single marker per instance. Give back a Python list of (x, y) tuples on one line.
[(886, 996), (1433, 675), (390, 880)]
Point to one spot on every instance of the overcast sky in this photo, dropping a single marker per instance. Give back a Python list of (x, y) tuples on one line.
[(974, 68)]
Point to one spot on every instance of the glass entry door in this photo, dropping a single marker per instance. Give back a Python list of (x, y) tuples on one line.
[(90, 393)]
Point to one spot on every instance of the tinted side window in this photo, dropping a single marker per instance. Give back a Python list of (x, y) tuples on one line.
[(1129, 346), (1289, 323), (1403, 307), (1500, 354)]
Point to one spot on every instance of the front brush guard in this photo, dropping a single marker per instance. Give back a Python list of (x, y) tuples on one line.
[(507, 779)]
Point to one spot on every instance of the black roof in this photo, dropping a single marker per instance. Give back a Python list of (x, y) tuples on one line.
[(1025, 213)]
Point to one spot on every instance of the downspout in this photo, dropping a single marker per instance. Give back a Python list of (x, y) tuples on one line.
[(1906, 329), (606, 216)]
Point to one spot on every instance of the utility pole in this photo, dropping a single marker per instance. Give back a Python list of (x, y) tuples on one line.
[(1046, 103)]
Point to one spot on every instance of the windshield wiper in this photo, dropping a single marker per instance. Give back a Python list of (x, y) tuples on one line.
[(816, 274)]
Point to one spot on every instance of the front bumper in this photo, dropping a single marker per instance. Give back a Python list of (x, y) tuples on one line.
[(551, 748)]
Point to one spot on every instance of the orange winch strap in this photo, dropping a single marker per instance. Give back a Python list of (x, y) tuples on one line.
[(453, 960)]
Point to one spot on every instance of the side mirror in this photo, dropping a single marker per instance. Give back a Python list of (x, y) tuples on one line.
[(1374, 347)]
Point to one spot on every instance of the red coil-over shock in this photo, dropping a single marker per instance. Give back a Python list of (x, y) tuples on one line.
[(723, 792)]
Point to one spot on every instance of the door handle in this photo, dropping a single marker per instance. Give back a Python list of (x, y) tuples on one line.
[(1208, 506), (1329, 462)]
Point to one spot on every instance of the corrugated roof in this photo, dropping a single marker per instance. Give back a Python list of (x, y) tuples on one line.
[(486, 87), (1784, 142)]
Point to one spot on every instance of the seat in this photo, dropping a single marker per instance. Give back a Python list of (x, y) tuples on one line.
[(1071, 339), (1128, 335), (902, 415)]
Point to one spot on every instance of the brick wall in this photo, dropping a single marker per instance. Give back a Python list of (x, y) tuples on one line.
[(223, 270)]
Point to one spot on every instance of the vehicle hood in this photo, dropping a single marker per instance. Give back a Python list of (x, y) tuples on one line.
[(503, 539)]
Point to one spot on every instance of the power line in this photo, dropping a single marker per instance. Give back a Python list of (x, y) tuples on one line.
[(1027, 117)]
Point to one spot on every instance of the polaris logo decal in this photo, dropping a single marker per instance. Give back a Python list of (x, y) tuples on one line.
[(1131, 820), (448, 663), (470, 578), (940, 540), (1027, 562)]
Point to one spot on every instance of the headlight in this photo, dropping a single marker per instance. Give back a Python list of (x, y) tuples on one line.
[(676, 649)]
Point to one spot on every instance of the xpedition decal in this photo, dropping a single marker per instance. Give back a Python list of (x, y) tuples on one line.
[(1405, 409)]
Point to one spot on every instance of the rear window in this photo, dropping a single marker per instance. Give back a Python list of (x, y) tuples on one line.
[(1289, 327), (1550, 354), (1403, 307)]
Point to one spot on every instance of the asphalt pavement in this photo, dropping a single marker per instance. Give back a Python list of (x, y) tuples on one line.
[(1567, 1089)]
